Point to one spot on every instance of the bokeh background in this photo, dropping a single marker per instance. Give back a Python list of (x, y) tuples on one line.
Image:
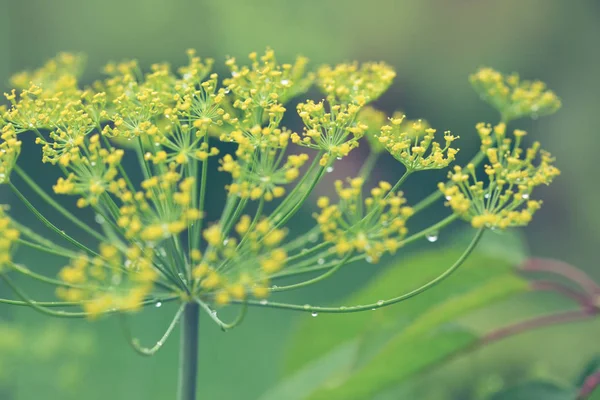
[(434, 45)]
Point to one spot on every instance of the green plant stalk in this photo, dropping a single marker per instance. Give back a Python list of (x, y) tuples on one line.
[(40, 192), (188, 352)]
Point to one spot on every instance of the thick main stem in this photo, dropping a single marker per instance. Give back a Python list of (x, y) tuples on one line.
[(188, 355)]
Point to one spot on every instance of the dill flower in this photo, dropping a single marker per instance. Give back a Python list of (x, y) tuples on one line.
[(512, 173), (155, 242), (513, 97)]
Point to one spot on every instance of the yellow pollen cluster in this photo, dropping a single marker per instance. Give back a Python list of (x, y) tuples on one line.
[(234, 267), (412, 143), (161, 210), (8, 237), (513, 173), (351, 83), (91, 176), (512, 97), (10, 148), (113, 281), (372, 226), (335, 131)]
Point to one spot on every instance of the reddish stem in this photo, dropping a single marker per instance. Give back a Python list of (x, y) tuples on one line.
[(581, 298), (563, 269), (536, 323), (590, 384)]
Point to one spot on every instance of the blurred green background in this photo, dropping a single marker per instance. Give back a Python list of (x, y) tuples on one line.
[(434, 45)]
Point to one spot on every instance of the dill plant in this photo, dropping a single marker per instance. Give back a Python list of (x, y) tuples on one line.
[(155, 242)]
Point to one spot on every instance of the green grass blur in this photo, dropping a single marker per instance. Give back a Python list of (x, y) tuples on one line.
[(434, 45)]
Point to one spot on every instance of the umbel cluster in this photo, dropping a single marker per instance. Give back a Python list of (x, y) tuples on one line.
[(155, 242)]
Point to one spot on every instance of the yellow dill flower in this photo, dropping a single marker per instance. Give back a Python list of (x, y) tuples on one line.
[(351, 83), (512, 97), (513, 173), (111, 281), (336, 132), (412, 143), (8, 238), (374, 225), (229, 264), (10, 148)]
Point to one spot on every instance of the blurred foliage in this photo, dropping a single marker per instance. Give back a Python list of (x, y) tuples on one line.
[(53, 349), (434, 45), (360, 355)]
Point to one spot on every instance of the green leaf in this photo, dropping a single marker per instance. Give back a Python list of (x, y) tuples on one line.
[(536, 391), (397, 342)]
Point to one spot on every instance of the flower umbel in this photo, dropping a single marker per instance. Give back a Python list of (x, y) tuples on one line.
[(137, 148)]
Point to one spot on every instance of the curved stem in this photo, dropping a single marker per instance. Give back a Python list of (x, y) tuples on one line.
[(48, 199), (315, 279), (37, 307), (434, 228), (57, 252), (150, 351), (48, 223), (565, 270), (222, 324), (379, 304), (188, 353)]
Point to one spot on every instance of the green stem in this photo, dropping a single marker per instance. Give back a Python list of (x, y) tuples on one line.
[(150, 351), (48, 199), (48, 223), (315, 279), (222, 324), (381, 303), (188, 355)]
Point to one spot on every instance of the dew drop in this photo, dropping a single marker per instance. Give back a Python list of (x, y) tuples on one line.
[(307, 306), (487, 195), (99, 219), (343, 308), (304, 251), (329, 169), (525, 196), (321, 261), (448, 198), (314, 314), (313, 238), (263, 302), (158, 304), (213, 313), (380, 303), (369, 259), (226, 91), (432, 236), (285, 82), (274, 287)]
